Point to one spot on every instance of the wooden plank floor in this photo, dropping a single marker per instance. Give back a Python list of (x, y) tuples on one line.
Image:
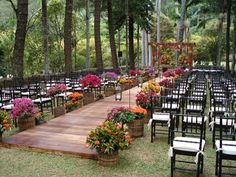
[(67, 134)]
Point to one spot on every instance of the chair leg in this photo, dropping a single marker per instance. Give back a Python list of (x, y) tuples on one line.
[(202, 164), (216, 164), (152, 133), (220, 166), (198, 165), (172, 167)]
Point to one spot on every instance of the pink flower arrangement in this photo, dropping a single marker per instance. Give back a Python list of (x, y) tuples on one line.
[(144, 99), (168, 74), (23, 108), (165, 82), (179, 71), (56, 89), (91, 80), (134, 72)]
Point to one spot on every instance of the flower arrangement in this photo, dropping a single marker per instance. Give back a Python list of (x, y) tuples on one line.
[(23, 108), (91, 80), (150, 71), (108, 138), (74, 101), (121, 115), (111, 75), (134, 72), (166, 82), (75, 96), (165, 59), (152, 87), (139, 112), (123, 80), (144, 99), (5, 121), (168, 74), (179, 71), (56, 89), (183, 59)]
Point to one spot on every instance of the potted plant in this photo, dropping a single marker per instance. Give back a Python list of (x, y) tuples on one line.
[(136, 127), (143, 98), (5, 122), (90, 81), (53, 91), (24, 111), (133, 117), (107, 139), (121, 115), (75, 100)]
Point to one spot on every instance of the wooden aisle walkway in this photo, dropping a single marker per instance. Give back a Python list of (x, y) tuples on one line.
[(67, 134)]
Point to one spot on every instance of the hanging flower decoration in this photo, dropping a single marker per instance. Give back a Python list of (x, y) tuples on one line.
[(91, 80)]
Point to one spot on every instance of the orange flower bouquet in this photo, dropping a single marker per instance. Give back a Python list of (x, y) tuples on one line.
[(74, 101), (139, 112)]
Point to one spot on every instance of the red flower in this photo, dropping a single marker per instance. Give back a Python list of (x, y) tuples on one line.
[(96, 142)]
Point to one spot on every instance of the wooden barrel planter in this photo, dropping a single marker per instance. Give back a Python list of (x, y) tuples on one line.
[(88, 98), (136, 128), (25, 124), (0, 137), (109, 91), (108, 159), (59, 110)]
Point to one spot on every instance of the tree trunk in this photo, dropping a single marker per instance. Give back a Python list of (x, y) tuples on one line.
[(18, 53), (143, 48), (87, 2), (234, 42), (68, 37), (158, 6), (138, 45), (131, 43), (220, 32), (45, 37), (182, 18), (112, 37), (98, 47), (228, 35)]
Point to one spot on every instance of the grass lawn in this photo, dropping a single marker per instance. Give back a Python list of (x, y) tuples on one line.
[(142, 159)]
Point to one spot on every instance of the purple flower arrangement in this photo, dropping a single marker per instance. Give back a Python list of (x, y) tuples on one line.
[(144, 99), (56, 89), (24, 108), (111, 75)]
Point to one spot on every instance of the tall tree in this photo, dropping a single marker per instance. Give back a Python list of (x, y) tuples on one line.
[(98, 47), (112, 37), (131, 43), (87, 4), (181, 22), (45, 37), (21, 28), (139, 12), (68, 37), (234, 40), (228, 35), (220, 31)]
